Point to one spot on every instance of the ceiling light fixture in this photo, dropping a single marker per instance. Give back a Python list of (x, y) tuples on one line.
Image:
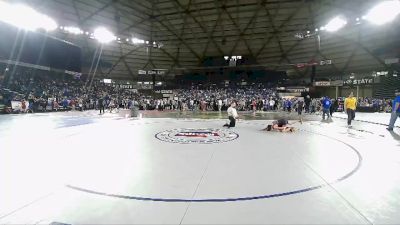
[(384, 12), (25, 17), (335, 24), (103, 35)]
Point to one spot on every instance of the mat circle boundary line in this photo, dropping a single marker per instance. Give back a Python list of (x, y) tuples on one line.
[(250, 198)]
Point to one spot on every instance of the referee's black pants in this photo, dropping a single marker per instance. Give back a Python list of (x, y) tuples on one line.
[(232, 121), (102, 108)]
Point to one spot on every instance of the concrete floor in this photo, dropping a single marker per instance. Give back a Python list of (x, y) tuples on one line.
[(82, 168)]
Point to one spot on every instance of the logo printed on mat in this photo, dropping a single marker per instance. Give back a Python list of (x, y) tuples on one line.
[(197, 136)]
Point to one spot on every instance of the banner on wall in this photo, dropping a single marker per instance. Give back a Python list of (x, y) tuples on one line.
[(314, 63), (124, 86), (364, 81), (75, 74), (16, 105), (322, 83), (163, 91), (167, 95), (392, 61), (289, 95), (293, 89), (145, 87), (152, 72), (333, 83), (25, 64)]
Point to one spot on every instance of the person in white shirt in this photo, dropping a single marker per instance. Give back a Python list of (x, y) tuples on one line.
[(272, 104), (191, 104), (226, 102), (219, 105), (232, 115)]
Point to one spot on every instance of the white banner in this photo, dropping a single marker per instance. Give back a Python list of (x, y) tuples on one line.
[(75, 74), (325, 62), (142, 72), (322, 83), (17, 105), (359, 81), (391, 61), (297, 89), (328, 83), (152, 72), (289, 95), (25, 64), (163, 91), (337, 83)]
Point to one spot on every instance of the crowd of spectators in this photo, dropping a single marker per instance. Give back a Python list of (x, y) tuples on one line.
[(40, 92), (46, 92), (378, 104), (217, 99)]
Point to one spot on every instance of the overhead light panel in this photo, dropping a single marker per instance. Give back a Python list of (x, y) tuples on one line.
[(47, 23), (103, 35), (25, 17), (73, 30), (384, 12), (335, 24), (137, 41)]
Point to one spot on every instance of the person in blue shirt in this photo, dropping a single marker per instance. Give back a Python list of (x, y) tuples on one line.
[(289, 105), (285, 105), (326, 105), (395, 111), (65, 104)]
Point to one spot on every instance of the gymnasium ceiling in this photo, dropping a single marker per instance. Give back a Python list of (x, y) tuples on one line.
[(191, 30)]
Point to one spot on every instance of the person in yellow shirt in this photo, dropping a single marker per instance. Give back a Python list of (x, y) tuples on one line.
[(350, 105)]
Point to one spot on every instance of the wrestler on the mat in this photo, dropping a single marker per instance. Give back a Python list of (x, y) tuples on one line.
[(280, 125)]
